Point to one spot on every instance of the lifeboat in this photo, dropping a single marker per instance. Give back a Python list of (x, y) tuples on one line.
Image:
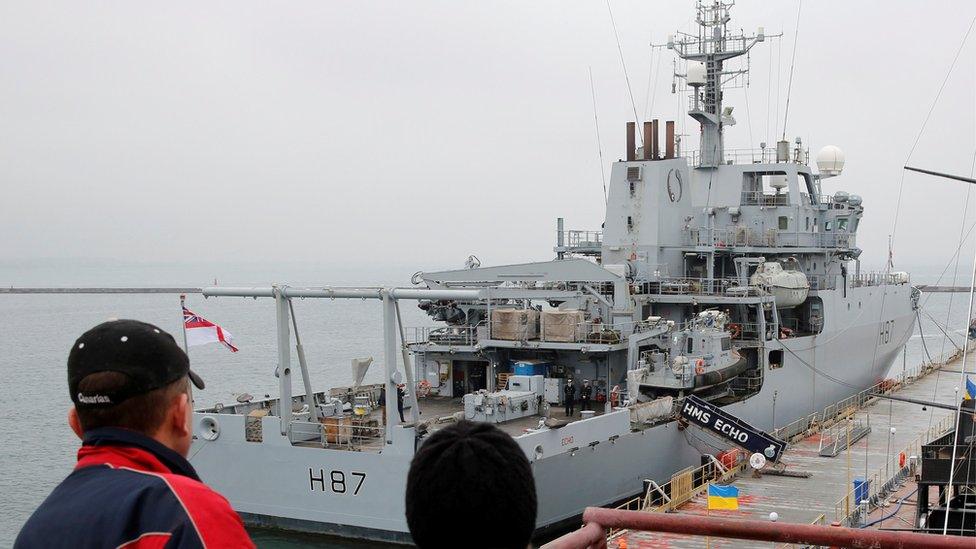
[(790, 287)]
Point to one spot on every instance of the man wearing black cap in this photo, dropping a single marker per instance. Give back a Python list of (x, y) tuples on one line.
[(132, 486), (463, 476)]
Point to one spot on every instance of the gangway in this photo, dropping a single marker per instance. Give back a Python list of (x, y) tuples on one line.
[(841, 435), (726, 426)]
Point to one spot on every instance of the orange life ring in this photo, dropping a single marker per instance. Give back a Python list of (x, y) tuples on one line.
[(700, 367), (735, 330)]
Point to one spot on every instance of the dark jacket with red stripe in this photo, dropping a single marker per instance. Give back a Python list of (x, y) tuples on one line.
[(130, 491)]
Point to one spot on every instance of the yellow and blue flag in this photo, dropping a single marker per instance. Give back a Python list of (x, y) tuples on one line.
[(970, 389), (723, 497)]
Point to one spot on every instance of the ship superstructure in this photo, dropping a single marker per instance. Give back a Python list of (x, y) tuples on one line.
[(727, 275)]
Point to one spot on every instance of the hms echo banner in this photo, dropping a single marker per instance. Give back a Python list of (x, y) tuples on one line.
[(731, 428)]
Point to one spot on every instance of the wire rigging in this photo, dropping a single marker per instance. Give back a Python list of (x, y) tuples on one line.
[(630, 90), (962, 380), (928, 116), (769, 91), (958, 256), (789, 85), (745, 92), (599, 142), (779, 77)]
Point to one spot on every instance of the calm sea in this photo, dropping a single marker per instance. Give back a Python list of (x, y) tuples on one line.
[(36, 332)]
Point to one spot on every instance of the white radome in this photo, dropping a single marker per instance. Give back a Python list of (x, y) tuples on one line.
[(830, 161), (696, 75)]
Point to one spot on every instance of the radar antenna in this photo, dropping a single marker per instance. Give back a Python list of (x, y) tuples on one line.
[(706, 55)]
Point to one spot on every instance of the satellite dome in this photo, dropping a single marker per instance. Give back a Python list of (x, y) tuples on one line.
[(841, 196), (830, 161), (855, 200)]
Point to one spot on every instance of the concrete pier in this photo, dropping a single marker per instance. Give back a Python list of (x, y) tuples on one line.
[(826, 496)]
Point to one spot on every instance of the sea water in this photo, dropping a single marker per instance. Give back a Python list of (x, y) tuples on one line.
[(36, 332)]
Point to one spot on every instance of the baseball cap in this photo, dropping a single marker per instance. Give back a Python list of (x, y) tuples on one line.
[(146, 354)]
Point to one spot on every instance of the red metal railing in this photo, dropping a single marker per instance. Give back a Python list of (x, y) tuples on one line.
[(598, 520)]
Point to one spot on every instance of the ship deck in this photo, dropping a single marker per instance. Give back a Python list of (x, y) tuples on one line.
[(370, 439), (821, 498), (436, 407)]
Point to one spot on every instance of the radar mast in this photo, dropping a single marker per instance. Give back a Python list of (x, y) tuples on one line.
[(706, 55)]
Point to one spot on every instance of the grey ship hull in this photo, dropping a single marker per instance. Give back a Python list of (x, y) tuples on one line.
[(277, 484)]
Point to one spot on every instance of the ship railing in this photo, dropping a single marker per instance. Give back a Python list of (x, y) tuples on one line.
[(740, 156), (733, 237), (879, 279), (763, 198), (822, 282), (593, 331), (342, 432), (684, 485), (840, 410), (452, 336), (848, 511), (727, 287), (580, 239), (841, 435)]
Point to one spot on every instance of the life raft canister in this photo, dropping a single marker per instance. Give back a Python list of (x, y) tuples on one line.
[(699, 366)]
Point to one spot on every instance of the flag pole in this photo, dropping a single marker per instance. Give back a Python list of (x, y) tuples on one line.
[(183, 323), (708, 512)]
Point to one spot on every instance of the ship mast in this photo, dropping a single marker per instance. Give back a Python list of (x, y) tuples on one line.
[(706, 55)]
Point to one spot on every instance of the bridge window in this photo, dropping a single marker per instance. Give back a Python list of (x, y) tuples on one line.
[(784, 223), (827, 226), (691, 344), (842, 224), (807, 225)]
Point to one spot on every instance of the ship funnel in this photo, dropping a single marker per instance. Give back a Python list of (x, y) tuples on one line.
[(669, 139), (649, 141), (830, 161), (631, 142)]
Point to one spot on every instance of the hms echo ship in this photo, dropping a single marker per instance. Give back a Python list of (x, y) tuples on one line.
[(719, 276)]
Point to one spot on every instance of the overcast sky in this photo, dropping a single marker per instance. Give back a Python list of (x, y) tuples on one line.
[(421, 132)]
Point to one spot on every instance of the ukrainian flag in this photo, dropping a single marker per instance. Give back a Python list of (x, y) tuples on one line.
[(723, 497), (970, 389)]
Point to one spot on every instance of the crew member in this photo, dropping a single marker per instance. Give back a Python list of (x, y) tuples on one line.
[(400, 395), (570, 398), (586, 393), (132, 486)]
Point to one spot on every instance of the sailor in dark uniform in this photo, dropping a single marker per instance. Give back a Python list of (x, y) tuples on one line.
[(570, 398), (586, 393)]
